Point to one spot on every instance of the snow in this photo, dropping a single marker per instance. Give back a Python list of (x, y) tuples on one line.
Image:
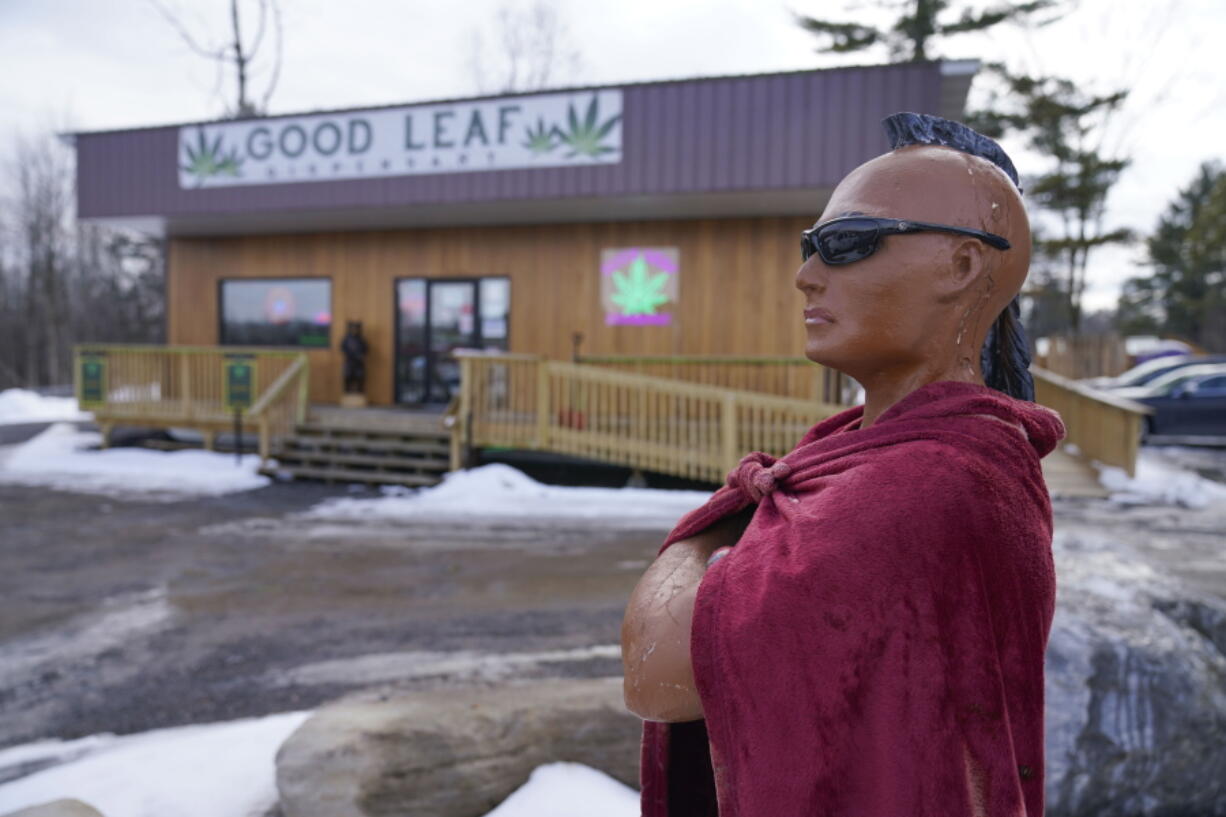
[(24, 406), (229, 770), (567, 789), (500, 492), (59, 458), (211, 770), (1163, 477)]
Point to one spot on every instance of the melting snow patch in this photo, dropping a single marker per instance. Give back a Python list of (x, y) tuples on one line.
[(501, 492), (1159, 481), (60, 458), (212, 770), (566, 789), (24, 406)]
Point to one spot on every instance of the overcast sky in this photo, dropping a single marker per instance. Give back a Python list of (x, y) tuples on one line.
[(94, 64)]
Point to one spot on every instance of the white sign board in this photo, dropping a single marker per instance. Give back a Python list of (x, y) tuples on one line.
[(549, 130)]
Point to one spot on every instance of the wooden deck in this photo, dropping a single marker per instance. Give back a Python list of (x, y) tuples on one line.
[(378, 419), (700, 430), (1069, 477)]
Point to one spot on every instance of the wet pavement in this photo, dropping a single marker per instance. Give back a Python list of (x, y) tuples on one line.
[(123, 616)]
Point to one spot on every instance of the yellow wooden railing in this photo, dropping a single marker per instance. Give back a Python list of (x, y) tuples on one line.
[(1103, 427), (183, 386), (780, 376), (599, 410), (640, 421)]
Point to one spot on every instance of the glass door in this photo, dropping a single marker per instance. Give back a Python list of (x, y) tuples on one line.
[(452, 325), (434, 317)]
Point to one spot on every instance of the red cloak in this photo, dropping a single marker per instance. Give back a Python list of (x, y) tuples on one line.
[(873, 646)]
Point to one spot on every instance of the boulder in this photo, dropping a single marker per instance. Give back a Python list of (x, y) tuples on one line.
[(57, 808), (456, 752), (1136, 690)]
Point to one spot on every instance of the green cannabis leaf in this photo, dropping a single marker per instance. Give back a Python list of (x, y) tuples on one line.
[(584, 138), (207, 159), (638, 292), (541, 138)]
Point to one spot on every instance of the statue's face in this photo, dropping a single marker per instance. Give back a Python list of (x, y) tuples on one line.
[(891, 310)]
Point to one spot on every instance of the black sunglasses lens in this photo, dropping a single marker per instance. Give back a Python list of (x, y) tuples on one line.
[(846, 241)]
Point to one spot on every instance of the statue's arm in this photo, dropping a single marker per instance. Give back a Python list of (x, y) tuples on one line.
[(658, 679)]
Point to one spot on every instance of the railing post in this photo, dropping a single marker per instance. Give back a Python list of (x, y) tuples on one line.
[(542, 404), (185, 375), (728, 425), (304, 385), (264, 442), (460, 430)]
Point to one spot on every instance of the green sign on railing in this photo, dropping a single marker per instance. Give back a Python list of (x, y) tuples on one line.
[(93, 379), (238, 381)]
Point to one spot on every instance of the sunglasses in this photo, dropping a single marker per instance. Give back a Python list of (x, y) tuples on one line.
[(854, 238)]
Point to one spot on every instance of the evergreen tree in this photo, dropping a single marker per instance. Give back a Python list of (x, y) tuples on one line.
[(1065, 124), (909, 38), (1187, 253)]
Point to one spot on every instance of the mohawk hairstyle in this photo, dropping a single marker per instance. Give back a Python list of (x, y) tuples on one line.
[(1005, 357), (908, 128)]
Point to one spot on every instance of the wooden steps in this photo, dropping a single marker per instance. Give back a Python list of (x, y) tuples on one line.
[(413, 455)]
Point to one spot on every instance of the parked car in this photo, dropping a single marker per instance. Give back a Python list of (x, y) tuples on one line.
[(1187, 401), (1145, 373)]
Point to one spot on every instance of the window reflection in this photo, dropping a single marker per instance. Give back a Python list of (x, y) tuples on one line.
[(276, 312)]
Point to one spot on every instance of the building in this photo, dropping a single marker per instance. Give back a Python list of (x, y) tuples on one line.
[(658, 218)]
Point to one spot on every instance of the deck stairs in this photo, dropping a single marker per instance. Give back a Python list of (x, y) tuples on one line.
[(377, 446)]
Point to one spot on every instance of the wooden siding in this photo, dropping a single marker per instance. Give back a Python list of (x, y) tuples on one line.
[(737, 295)]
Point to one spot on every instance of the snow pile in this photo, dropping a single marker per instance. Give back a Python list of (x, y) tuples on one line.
[(567, 789), (212, 770), (501, 492), (58, 458), (1161, 478), (24, 406), (229, 770)]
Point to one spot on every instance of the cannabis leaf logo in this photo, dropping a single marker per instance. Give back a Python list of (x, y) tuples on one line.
[(541, 138), (205, 159), (638, 291), (584, 138)]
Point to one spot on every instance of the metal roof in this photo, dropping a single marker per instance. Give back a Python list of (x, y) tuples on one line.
[(738, 145)]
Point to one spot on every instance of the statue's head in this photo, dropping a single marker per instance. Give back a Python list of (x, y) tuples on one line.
[(924, 263)]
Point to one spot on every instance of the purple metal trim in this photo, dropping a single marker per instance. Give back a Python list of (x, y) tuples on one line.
[(613, 319), (775, 132)]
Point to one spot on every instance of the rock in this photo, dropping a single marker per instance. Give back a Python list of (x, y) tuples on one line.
[(453, 752), (1136, 690), (58, 808)]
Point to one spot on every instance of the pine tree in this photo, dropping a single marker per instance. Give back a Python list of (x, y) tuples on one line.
[(1065, 124), (1187, 252), (920, 22)]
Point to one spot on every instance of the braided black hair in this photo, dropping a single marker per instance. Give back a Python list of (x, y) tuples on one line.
[(1005, 359)]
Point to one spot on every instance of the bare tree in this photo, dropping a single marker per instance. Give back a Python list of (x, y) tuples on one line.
[(529, 50), (237, 54), (61, 282), (40, 221)]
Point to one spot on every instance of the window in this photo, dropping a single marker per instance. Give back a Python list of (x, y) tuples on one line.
[(276, 312), (1212, 384), (495, 308)]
